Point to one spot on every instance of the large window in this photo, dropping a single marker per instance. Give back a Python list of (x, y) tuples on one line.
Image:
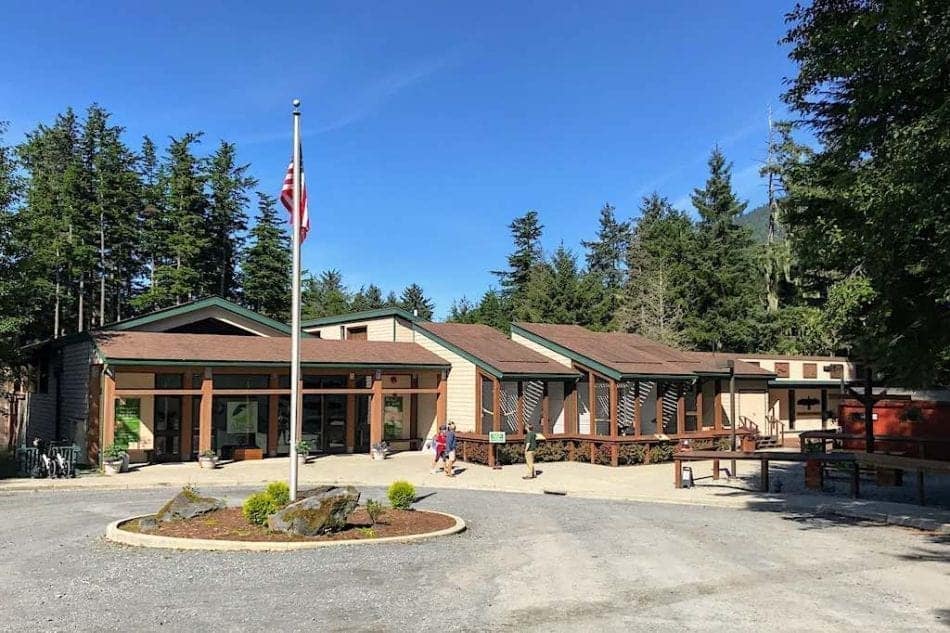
[(241, 381)]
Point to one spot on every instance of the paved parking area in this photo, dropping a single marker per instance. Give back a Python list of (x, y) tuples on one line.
[(527, 563)]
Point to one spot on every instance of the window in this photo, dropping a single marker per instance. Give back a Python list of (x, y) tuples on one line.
[(168, 381), (240, 381)]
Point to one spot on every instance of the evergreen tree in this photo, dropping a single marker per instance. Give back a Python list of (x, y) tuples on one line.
[(726, 294), (606, 261), (267, 263), (414, 301), (13, 318), (324, 296), (558, 292), (526, 234), (392, 300), (492, 310), (367, 298), (227, 221), (870, 205)]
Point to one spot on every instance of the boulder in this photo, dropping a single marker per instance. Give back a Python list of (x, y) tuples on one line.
[(188, 504), (319, 512), (148, 524)]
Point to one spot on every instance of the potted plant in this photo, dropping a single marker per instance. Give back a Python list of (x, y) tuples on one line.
[(303, 451), (113, 459), (208, 459), (747, 445), (379, 450)]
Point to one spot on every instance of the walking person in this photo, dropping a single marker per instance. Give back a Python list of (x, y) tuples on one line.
[(530, 446), (450, 442), (439, 445)]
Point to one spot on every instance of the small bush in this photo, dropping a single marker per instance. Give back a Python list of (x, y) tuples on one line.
[(661, 452), (724, 444), (401, 495), (550, 451), (366, 532), (375, 510), (113, 453), (279, 491), (631, 454), (7, 464), (258, 507), (510, 454)]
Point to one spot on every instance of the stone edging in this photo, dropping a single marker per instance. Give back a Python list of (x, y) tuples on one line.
[(139, 539)]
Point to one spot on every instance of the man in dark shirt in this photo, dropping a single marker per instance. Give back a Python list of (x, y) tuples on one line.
[(530, 446)]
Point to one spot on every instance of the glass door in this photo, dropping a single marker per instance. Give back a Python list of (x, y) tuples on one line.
[(167, 428)]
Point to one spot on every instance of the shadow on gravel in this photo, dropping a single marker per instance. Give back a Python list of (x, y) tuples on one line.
[(941, 554), (942, 616)]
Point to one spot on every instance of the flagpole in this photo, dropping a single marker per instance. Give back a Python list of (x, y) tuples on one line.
[(295, 311)]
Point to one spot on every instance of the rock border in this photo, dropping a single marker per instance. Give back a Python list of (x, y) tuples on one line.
[(140, 539)]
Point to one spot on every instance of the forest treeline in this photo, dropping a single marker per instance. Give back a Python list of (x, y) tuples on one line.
[(854, 259)]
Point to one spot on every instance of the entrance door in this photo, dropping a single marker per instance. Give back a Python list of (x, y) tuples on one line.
[(362, 424), (167, 428)]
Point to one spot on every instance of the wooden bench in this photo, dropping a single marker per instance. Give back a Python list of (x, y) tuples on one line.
[(764, 457)]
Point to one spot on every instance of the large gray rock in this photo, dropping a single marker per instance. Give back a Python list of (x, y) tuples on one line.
[(319, 512), (188, 504)]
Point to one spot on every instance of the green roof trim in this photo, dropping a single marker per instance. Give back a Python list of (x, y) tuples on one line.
[(478, 362), (364, 315), (580, 358), (193, 306)]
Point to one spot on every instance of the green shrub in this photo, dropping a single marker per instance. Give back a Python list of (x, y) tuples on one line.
[(279, 491), (113, 453), (375, 510), (7, 464), (724, 444), (550, 451), (258, 507), (366, 532), (631, 454), (661, 452), (510, 454), (401, 495)]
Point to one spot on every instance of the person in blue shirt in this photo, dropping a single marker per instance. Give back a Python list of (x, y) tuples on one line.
[(450, 443)]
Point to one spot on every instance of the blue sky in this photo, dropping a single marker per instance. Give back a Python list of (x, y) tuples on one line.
[(428, 126)]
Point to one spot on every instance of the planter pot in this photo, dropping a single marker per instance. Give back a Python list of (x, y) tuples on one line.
[(747, 445), (303, 459), (379, 455), (207, 462), (112, 467)]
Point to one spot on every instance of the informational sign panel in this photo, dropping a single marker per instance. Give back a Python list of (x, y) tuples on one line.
[(242, 417), (128, 422), (496, 437)]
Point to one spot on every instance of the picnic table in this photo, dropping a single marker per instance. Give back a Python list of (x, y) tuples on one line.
[(764, 457)]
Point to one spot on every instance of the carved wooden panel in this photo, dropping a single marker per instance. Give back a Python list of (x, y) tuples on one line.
[(810, 370), (781, 370)]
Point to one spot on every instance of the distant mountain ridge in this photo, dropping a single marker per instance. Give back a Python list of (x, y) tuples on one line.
[(758, 220)]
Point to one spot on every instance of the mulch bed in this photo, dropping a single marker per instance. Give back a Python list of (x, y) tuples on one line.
[(229, 524)]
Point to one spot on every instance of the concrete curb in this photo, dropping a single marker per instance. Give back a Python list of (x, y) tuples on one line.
[(138, 539)]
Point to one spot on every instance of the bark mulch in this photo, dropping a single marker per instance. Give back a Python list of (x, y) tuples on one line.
[(229, 524)]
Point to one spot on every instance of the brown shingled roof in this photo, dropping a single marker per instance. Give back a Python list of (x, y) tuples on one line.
[(632, 354), (163, 346), (497, 350)]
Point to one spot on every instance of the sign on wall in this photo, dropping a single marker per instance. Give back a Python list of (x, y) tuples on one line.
[(128, 422), (496, 437), (242, 417)]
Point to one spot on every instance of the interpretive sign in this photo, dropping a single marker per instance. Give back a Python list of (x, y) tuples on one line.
[(496, 437), (128, 422), (242, 418)]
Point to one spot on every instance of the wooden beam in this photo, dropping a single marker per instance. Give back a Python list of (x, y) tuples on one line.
[(614, 413), (108, 409), (717, 405), (571, 410), (700, 420), (414, 406), (350, 429), (660, 426), (410, 391), (376, 412), (496, 404), (94, 417), (441, 401), (547, 427), (681, 409), (272, 415), (592, 402), (479, 394), (136, 393), (205, 411), (637, 414)]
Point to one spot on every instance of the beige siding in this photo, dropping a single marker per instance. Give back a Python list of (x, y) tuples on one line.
[(382, 329), (211, 312), (460, 405), (541, 349), (796, 367)]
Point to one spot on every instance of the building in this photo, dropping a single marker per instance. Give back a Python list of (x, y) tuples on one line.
[(211, 375)]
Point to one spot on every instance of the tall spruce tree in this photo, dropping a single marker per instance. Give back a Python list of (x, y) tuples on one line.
[(871, 203), (414, 301), (526, 233), (606, 261), (367, 298), (13, 298), (229, 188), (324, 296), (726, 296), (560, 292), (267, 263)]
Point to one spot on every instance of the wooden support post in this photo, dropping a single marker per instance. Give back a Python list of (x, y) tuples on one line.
[(519, 408), (614, 413), (637, 415), (765, 476), (592, 403), (94, 425), (108, 409), (791, 409), (717, 405), (205, 411), (441, 401), (700, 420), (824, 409), (350, 428), (660, 426), (187, 430), (855, 480), (479, 401), (921, 496), (496, 404), (677, 473), (716, 469), (414, 407), (571, 410), (681, 409), (547, 427), (273, 413), (376, 412), (614, 454)]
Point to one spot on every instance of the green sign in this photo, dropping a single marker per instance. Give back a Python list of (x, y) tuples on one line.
[(128, 422), (496, 437), (242, 417), (392, 417)]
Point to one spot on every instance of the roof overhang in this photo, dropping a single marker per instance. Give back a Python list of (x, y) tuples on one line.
[(197, 306), (569, 353), (365, 315)]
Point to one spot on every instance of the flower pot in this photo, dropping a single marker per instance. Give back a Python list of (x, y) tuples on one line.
[(112, 466), (748, 445), (302, 459), (207, 462), (379, 455)]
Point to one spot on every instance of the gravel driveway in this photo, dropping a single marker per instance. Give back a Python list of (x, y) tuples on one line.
[(527, 563)]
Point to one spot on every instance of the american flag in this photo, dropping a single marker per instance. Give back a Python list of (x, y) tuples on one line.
[(287, 198)]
